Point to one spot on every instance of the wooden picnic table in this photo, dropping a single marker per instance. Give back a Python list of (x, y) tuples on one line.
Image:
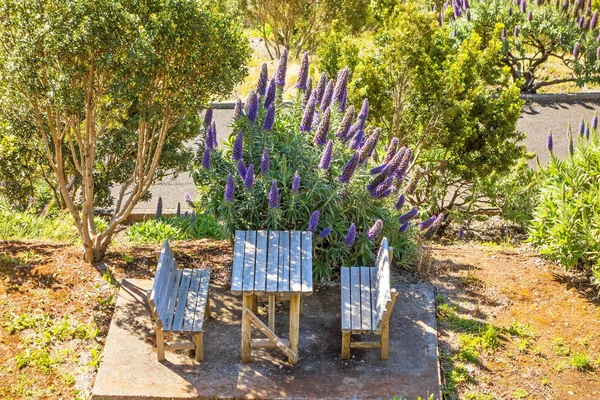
[(277, 266)]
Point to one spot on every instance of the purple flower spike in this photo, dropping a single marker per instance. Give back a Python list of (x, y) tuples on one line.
[(321, 87), (249, 179), (265, 161), (326, 157), (261, 86), (303, 73), (576, 51), (341, 86), (587, 131), (351, 236), (461, 234), (236, 153), (364, 110), (208, 116), (230, 189), (327, 95), (427, 223), (598, 52), (325, 232), (271, 91), (403, 227), (241, 169), (187, 197), (503, 34), (581, 127), (238, 111), (296, 182), (375, 230), (309, 113), (349, 169), (549, 142), (516, 31), (274, 195), (529, 16), (213, 135), (369, 146), (314, 221), (357, 139), (206, 158), (403, 166), (409, 215), (595, 121), (523, 6), (345, 124), (323, 128), (269, 118), (281, 69), (308, 91), (594, 21), (400, 203), (252, 108)]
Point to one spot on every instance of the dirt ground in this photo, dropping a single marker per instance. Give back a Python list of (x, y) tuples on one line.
[(511, 325)]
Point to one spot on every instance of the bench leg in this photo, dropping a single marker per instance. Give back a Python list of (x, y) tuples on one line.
[(294, 323), (385, 341), (207, 313), (272, 313), (199, 345), (160, 343), (246, 329), (345, 345)]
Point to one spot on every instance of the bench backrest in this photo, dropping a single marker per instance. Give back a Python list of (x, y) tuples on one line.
[(163, 281), (382, 283)]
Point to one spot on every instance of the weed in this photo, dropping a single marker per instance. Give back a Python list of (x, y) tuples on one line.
[(560, 348), (523, 345), (129, 258), (39, 358), (106, 304), (478, 396), (520, 330), (448, 315), (581, 362), (471, 280), (561, 366), (95, 357), (520, 393)]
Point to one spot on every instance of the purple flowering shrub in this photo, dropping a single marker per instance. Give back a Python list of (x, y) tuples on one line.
[(311, 165)]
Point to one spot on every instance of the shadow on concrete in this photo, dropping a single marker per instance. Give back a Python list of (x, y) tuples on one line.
[(130, 369)]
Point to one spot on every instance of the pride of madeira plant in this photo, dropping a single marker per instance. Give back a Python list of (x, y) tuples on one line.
[(308, 166), (566, 220)]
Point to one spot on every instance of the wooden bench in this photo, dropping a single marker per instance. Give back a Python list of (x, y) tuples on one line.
[(367, 302), (179, 303)]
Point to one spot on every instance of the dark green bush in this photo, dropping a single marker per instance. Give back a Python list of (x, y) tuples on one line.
[(566, 223)]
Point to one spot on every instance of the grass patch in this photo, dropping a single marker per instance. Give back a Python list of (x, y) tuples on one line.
[(175, 228), (581, 362), (560, 348), (520, 393)]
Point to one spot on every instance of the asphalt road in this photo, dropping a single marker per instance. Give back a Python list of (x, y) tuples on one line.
[(539, 115)]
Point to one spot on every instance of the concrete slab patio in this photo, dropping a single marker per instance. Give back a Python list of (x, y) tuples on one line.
[(130, 370)]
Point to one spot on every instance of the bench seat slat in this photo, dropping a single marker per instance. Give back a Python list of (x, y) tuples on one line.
[(355, 299), (249, 261), (295, 263), (192, 299), (181, 300), (260, 274), (273, 262), (202, 299), (168, 321), (365, 298), (284, 262), (346, 306)]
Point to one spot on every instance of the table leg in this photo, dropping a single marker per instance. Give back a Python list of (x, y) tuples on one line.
[(294, 322), (247, 301), (272, 313)]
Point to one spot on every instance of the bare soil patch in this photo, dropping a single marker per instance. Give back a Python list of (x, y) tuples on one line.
[(513, 325)]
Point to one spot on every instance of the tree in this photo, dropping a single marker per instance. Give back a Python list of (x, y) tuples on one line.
[(90, 71), (297, 24), (449, 99), (537, 37)]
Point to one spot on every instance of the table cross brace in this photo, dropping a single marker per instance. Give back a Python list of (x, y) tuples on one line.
[(276, 340)]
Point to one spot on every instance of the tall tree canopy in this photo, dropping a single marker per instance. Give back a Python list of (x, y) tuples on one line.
[(108, 82)]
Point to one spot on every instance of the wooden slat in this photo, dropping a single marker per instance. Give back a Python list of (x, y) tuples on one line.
[(295, 263), (284, 262), (166, 279), (192, 299), (181, 300), (260, 274), (156, 285), (266, 343), (365, 298), (373, 272), (249, 261), (273, 262), (307, 269), (180, 345), (273, 337), (202, 299), (238, 262), (383, 281), (346, 307), (355, 299), (168, 322)]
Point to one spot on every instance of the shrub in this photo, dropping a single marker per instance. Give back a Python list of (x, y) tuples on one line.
[(566, 223), (284, 152), (176, 228)]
